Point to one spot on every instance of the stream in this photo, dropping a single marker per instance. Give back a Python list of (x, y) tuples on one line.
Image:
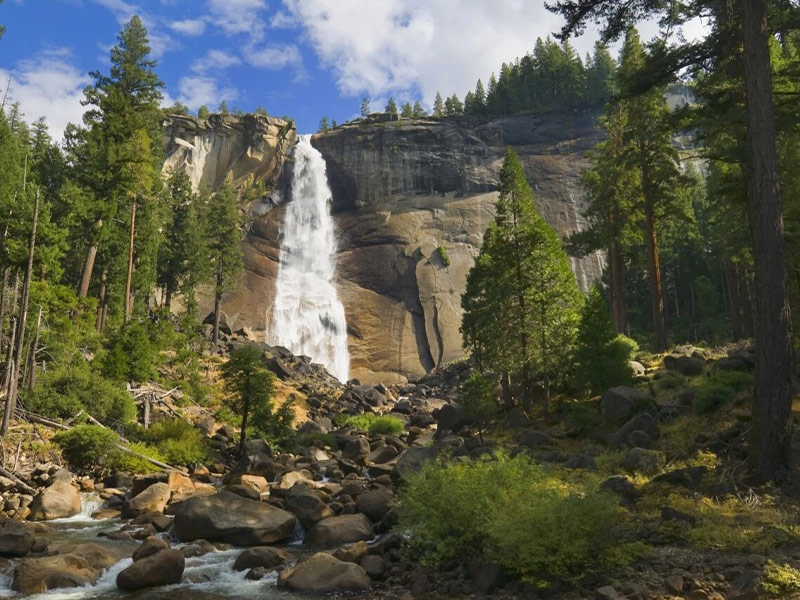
[(207, 577)]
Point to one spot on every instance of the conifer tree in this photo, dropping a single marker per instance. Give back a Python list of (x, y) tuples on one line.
[(223, 235), (203, 112), (365, 106), (323, 124), (521, 301), (223, 108), (391, 107), (419, 112), (438, 106), (407, 112)]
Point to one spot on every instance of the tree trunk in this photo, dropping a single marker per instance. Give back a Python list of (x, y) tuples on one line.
[(88, 267), (243, 438), (505, 384), (616, 269), (129, 276), (775, 380), (217, 305), (31, 376), (11, 398), (101, 304), (656, 286)]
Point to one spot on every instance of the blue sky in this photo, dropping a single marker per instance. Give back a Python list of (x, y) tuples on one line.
[(303, 58)]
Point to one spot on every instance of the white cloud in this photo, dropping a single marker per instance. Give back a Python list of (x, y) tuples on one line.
[(277, 56), (160, 41), (238, 16), (403, 47), (215, 60), (282, 20), (48, 85), (197, 90), (191, 27)]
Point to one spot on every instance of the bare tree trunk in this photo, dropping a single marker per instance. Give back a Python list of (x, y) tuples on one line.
[(88, 267), (31, 374), (656, 286), (11, 398), (217, 305), (775, 377), (129, 276), (101, 301)]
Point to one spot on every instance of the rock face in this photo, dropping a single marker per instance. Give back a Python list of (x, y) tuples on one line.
[(401, 191), (229, 518)]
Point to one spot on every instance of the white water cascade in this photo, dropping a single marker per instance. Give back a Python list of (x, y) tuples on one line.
[(308, 317)]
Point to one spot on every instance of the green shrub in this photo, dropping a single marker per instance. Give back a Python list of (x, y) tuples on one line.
[(62, 393), (376, 424), (479, 400), (132, 353), (719, 389), (582, 418), (87, 445), (443, 255), (175, 440), (119, 460), (779, 581), (513, 512)]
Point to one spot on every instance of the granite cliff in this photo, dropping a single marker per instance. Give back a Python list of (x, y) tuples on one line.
[(411, 200)]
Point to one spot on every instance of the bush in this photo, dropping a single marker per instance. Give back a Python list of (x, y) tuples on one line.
[(443, 255), (513, 512), (719, 389), (376, 424), (131, 354), (176, 441), (479, 400), (62, 393), (120, 460), (601, 357), (779, 581), (85, 446), (582, 418)]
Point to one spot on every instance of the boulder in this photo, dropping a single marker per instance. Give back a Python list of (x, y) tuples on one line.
[(16, 538), (356, 449), (372, 565), (81, 565), (645, 461), (150, 546), (411, 461), (622, 487), (353, 553), (245, 491), (534, 439), (343, 529), (153, 499), (226, 517), (162, 568), (375, 503), (324, 573), (645, 423), (266, 557), (620, 403), (686, 365), (307, 506), (59, 500)]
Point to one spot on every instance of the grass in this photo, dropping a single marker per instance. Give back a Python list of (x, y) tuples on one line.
[(375, 424)]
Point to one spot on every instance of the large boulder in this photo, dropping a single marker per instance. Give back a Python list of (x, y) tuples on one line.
[(343, 529), (150, 546), (16, 539), (56, 502), (411, 461), (307, 506), (229, 518), (686, 365), (162, 568), (265, 557), (81, 565), (645, 424), (324, 573), (450, 418), (375, 503), (645, 461), (153, 499), (620, 403)]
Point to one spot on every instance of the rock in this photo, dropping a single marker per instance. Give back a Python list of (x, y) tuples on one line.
[(606, 593), (674, 584), (81, 565), (163, 568), (153, 499), (255, 574), (142, 482), (643, 423), (485, 576), (516, 418), (324, 573), (644, 461), (411, 461), (670, 514), (689, 477), (150, 546), (179, 483), (353, 553), (686, 365), (619, 403), (258, 447), (226, 517), (198, 548), (375, 503), (257, 482), (343, 529), (56, 502), (450, 418), (621, 486), (261, 556), (534, 439), (289, 479), (306, 505), (373, 566), (16, 538), (637, 368), (356, 449), (245, 491)]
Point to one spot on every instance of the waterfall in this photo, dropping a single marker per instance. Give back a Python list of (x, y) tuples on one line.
[(307, 316)]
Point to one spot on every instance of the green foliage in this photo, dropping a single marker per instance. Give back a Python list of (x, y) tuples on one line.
[(365, 106), (779, 581), (121, 461), (443, 255), (131, 354), (65, 391), (719, 389), (490, 508), (203, 112), (376, 424), (479, 400), (391, 107), (601, 357), (85, 446), (175, 440), (582, 418)]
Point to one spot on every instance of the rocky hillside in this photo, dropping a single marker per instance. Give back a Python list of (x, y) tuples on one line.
[(411, 200)]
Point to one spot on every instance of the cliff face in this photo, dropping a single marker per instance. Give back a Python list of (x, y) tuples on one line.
[(401, 192)]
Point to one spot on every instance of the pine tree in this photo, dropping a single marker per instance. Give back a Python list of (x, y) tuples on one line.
[(407, 112), (419, 112), (223, 236), (203, 112), (521, 301), (480, 97), (438, 106), (223, 108), (323, 124), (391, 107), (365, 106)]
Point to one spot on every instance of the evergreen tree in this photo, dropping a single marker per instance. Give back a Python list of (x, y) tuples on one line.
[(223, 108), (407, 112), (203, 112), (260, 110), (391, 107), (601, 357), (419, 112), (323, 124), (365, 106), (438, 106), (521, 301), (223, 236), (480, 97)]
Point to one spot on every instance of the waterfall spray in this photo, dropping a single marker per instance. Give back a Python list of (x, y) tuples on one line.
[(308, 317)]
